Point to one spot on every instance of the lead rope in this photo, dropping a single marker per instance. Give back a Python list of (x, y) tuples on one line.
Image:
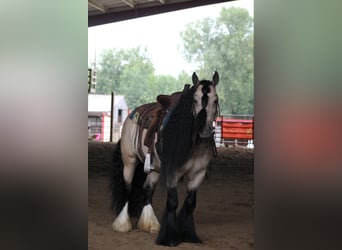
[(214, 146)]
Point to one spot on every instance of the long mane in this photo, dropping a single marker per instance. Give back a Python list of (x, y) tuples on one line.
[(176, 140)]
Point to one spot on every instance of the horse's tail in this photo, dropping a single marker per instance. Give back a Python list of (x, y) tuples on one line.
[(119, 193)]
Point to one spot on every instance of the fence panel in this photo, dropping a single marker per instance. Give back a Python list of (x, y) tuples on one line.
[(234, 129)]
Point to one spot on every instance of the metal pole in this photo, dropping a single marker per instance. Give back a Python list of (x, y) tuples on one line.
[(222, 140), (112, 118)]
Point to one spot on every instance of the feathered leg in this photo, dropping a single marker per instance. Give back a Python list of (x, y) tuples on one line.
[(168, 233), (186, 223), (186, 219), (148, 221)]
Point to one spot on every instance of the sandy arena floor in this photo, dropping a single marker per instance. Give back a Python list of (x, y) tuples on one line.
[(223, 216)]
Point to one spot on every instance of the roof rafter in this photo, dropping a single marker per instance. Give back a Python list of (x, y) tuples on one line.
[(130, 3), (161, 1), (97, 5)]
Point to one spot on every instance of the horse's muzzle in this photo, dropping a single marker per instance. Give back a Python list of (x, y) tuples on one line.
[(207, 132)]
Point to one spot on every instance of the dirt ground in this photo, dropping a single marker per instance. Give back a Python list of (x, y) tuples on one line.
[(223, 216)]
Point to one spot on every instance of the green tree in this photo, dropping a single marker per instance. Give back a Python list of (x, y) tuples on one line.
[(126, 72), (109, 72), (138, 72), (131, 73), (184, 78), (164, 84), (225, 45)]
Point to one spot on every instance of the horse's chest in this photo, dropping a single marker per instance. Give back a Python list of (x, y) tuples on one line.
[(199, 159)]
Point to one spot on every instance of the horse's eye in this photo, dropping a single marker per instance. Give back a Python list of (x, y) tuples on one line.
[(216, 101), (195, 101)]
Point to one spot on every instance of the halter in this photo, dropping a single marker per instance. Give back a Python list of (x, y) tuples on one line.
[(205, 91), (204, 102)]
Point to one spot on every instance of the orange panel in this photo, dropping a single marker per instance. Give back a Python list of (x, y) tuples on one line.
[(237, 136), (237, 125), (237, 130)]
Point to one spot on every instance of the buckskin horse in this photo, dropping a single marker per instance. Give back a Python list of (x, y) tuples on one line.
[(165, 140)]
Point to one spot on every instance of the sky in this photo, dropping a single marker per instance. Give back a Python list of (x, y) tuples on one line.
[(160, 34)]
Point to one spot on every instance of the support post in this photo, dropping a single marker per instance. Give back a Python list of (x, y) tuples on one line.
[(112, 118)]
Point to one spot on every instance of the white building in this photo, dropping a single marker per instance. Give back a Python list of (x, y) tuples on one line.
[(99, 116)]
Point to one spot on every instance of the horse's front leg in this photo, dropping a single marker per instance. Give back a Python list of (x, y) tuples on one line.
[(168, 233), (185, 218)]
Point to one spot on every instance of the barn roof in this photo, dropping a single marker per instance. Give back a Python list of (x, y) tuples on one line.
[(108, 11)]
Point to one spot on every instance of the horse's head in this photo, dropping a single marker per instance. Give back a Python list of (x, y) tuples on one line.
[(205, 104)]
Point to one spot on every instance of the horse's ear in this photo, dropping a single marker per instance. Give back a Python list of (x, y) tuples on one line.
[(194, 78), (216, 78)]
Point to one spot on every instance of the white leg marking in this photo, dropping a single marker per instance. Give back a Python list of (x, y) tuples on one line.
[(148, 221), (122, 223)]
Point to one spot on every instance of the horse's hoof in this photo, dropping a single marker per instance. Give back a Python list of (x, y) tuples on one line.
[(148, 227), (122, 223), (169, 243), (191, 239), (148, 221), (122, 228), (168, 239)]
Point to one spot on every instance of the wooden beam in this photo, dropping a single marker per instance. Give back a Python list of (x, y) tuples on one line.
[(100, 19), (97, 5), (130, 3)]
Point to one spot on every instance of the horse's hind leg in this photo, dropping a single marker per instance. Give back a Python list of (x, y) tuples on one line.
[(122, 223), (148, 221), (186, 223)]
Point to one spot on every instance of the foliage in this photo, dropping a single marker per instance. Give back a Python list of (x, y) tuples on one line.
[(225, 45), (137, 73), (125, 72), (108, 76), (131, 73)]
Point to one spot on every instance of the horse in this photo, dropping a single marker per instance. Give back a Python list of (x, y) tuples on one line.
[(165, 140)]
